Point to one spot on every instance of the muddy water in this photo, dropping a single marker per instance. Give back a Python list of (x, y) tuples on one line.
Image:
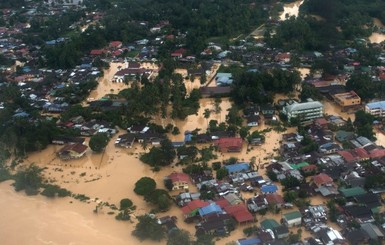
[(332, 108), (105, 84), (290, 9), (37, 220), (377, 37)]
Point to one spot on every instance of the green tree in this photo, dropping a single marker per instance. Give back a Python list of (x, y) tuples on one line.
[(179, 237), (144, 186), (98, 142), (125, 204), (160, 156), (222, 173), (364, 124), (29, 179), (148, 228), (160, 198)]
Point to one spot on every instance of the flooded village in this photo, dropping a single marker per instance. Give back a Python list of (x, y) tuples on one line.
[(293, 171)]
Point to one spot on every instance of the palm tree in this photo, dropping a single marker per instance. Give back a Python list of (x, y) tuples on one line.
[(207, 114)]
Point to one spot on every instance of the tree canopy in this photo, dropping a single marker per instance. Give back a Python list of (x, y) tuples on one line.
[(98, 142), (144, 186), (148, 228)]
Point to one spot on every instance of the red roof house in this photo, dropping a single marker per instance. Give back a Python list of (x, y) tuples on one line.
[(115, 44), (240, 213), (193, 206), (178, 53), (72, 151), (322, 180), (179, 180), (274, 199), (230, 144), (377, 153), (97, 52)]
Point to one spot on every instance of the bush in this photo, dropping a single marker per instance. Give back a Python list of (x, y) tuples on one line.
[(123, 215), (125, 204), (216, 165)]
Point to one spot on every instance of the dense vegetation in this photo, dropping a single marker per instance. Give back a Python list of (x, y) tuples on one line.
[(252, 87)]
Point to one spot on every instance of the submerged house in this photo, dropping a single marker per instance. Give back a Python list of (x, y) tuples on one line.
[(72, 151)]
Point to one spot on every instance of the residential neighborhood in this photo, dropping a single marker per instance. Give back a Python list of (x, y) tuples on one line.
[(111, 112)]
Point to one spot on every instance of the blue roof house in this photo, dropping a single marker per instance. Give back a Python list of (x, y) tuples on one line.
[(269, 189), (237, 168), (249, 241), (224, 79), (210, 209)]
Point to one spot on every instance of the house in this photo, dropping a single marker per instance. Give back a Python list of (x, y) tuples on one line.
[(191, 208), (269, 224), (305, 112), (210, 209), (72, 151), (352, 192), (268, 112), (216, 224), (185, 197), (229, 144), (321, 122), (178, 53), (232, 199), (330, 236), (361, 214), (322, 180), (357, 236), (179, 181), (353, 179), (342, 135), (281, 232), (115, 44), (215, 91), (138, 129), (274, 200), (223, 79), (269, 189), (125, 140), (347, 99), (61, 140), (369, 200), (240, 213), (237, 168), (253, 121), (373, 231), (329, 148), (376, 109), (248, 241), (256, 203), (292, 219)]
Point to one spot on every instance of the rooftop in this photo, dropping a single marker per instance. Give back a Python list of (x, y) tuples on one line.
[(303, 106), (376, 105)]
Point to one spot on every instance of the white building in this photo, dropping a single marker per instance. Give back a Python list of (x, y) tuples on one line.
[(306, 111), (376, 109)]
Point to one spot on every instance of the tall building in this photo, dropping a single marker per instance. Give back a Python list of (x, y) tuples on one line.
[(305, 112), (376, 109)]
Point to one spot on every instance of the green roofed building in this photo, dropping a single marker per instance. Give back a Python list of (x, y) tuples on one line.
[(299, 165), (351, 192), (292, 219), (269, 224)]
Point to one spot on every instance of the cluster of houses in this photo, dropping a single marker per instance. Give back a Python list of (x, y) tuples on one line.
[(238, 199)]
